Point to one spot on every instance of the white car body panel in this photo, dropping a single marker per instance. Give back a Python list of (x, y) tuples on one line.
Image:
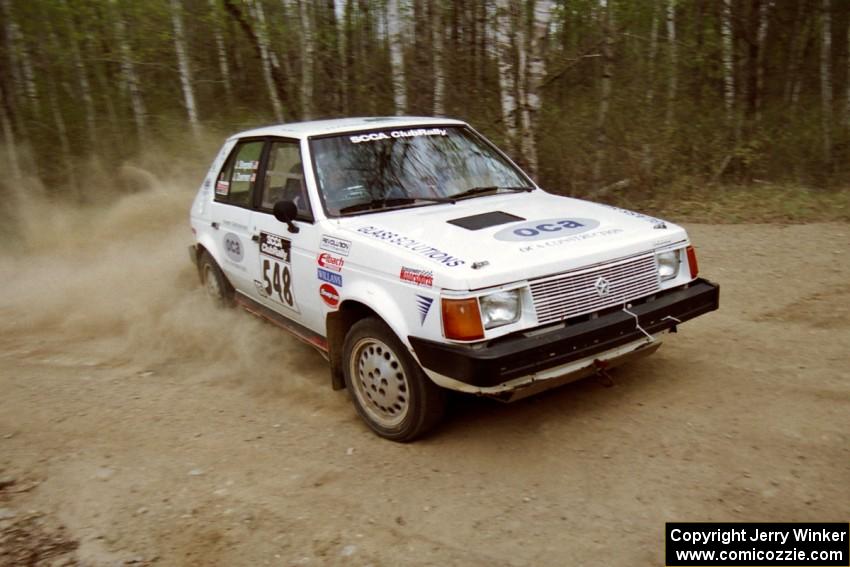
[(400, 263)]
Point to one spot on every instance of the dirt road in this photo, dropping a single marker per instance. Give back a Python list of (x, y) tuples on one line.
[(139, 425)]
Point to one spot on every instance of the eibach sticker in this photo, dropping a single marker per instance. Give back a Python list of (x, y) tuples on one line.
[(330, 262)]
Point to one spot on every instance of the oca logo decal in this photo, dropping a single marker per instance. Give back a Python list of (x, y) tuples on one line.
[(546, 229), (233, 247)]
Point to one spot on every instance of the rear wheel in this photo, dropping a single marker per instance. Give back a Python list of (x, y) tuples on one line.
[(215, 284), (389, 390)]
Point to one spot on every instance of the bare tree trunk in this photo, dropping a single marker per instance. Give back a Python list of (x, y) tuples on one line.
[(62, 134), (265, 58), (507, 70), (26, 65), (728, 61), (305, 16), (847, 103), (647, 160), (673, 83), (653, 50), (83, 79), (184, 67), (128, 70), (439, 72), (349, 91), (764, 13), (397, 56), (223, 66), (826, 79), (16, 92), (605, 94), (9, 140), (341, 11), (534, 74), (61, 129)]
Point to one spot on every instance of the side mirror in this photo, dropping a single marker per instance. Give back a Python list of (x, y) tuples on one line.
[(285, 212)]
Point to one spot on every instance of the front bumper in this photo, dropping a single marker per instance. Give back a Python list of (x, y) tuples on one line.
[(487, 365)]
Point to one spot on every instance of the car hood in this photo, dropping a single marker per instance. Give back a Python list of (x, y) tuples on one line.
[(499, 239)]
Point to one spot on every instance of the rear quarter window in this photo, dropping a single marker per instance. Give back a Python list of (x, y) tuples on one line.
[(235, 183)]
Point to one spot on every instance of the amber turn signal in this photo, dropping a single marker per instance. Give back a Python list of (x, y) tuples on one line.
[(462, 320), (692, 261)]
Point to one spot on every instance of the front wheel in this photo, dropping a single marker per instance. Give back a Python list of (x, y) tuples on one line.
[(389, 390)]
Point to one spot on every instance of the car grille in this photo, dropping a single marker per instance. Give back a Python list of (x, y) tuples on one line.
[(569, 295)]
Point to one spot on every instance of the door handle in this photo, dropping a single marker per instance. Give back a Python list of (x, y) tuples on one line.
[(214, 225)]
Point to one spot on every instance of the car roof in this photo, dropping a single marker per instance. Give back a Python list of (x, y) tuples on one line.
[(342, 125)]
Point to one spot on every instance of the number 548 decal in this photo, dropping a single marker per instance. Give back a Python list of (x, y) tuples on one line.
[(277, 276), (279, 285)]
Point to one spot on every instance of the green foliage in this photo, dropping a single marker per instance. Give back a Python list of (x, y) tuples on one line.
[(42, 91)]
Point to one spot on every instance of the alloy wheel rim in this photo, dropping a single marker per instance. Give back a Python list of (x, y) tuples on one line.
[(380, 383)]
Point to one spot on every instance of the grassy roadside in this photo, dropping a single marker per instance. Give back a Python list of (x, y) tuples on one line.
[(736, 204)]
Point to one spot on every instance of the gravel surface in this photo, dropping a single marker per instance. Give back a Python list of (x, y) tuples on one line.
[(140, 426)]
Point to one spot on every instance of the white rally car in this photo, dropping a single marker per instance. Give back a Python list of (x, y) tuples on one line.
[(416, 257)]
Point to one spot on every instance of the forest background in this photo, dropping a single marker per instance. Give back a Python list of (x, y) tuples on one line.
[(730, 110)]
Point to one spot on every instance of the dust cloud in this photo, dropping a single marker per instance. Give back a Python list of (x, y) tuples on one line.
[(113, 278)]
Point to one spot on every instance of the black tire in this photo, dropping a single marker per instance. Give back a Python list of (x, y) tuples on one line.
[(390, 391), (214, 281)]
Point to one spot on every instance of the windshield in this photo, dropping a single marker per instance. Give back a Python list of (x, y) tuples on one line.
[(407, 167)]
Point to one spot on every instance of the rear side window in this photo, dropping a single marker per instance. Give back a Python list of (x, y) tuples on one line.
[(235, 183)]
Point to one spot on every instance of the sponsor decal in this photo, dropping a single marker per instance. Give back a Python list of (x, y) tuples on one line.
[(277, 281), (417, 277), (222, 188), (423, 304), (330, 277), (261, 288), (233, 247), (335, 245), (377, 136), (568, 239), (330, 262), (329, 295), (546, 229), (416, 246), (275, 246)]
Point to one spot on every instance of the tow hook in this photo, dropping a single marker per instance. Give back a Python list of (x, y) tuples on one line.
[(602, 376)]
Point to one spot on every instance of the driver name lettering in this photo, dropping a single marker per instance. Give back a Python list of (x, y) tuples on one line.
[(376, 136), (421, 248)]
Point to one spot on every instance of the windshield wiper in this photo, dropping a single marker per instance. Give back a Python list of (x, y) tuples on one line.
[(395, 203), (489, 189)]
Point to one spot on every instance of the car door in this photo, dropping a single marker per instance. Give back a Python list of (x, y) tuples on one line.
[(231, 212), (286, 262)]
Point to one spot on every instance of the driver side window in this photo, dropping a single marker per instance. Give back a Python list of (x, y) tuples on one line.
[(284, 179)]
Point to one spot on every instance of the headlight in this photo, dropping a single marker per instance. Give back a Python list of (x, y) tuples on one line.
[(500, 308), (668, 264)]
